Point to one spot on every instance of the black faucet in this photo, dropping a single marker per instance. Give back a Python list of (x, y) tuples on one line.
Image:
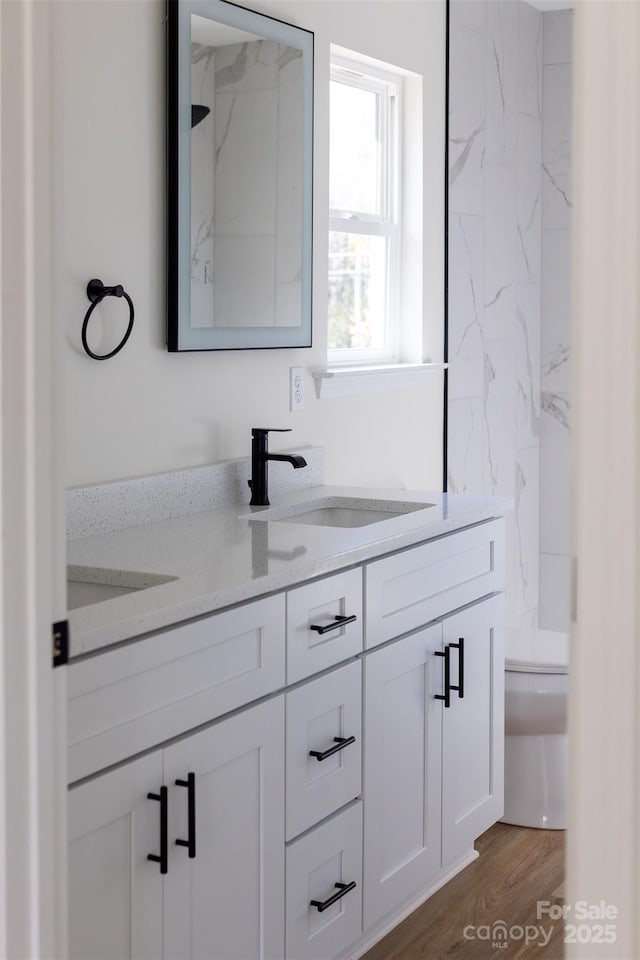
[(260, 456)]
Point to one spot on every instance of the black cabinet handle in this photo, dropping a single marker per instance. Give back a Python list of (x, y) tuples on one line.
[(190, 784), (446, 696), (460, 648), (340, 744), (339, 622), (163, 859), (343, 890)]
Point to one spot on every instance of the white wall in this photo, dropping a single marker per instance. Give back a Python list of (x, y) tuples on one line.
[(146, 410)]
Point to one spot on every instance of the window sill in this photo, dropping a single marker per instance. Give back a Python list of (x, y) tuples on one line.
[(348, 381)]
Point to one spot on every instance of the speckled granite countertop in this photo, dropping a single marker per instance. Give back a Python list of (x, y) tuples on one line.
[(221, 557)]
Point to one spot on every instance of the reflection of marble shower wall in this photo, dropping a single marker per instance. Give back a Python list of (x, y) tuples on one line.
[(495, 270), (254, 238), (555, 563), (202, 186)]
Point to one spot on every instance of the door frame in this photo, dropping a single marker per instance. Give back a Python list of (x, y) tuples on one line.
[(604, 681), (32, 548), (604, 722)]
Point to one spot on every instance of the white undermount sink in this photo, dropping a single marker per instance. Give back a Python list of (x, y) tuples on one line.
[(87, 585), (339, 511)]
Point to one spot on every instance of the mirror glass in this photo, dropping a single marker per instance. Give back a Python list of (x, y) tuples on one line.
[(240, 118)]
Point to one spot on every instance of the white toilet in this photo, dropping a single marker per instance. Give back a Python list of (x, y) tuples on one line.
[(535, 759)]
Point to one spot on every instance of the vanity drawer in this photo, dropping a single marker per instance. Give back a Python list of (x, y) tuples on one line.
[(329, 855), (315, 638), (318, 713), (411, 588), (134, 697)]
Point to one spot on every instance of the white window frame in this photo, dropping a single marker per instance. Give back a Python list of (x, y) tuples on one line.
[(387, 224)]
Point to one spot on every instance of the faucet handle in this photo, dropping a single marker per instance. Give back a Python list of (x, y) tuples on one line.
[(263, 431)]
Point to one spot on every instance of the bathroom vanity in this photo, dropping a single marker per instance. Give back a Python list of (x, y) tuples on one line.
[(288, 746)]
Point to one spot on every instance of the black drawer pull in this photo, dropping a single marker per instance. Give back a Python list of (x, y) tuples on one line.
[(343, 890), (340, 744), (446, 696), (190, 784), (163, 859), (460, 648), (339, 622)]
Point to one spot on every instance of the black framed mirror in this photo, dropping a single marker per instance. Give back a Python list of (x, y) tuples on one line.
[(240, 178)]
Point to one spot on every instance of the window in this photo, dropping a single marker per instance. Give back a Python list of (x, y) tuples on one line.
[(364, 230)]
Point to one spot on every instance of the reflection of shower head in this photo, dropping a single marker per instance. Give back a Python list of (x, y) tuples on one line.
[(198, 113)]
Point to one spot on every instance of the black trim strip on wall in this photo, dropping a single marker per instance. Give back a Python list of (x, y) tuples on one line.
[(445, 407)]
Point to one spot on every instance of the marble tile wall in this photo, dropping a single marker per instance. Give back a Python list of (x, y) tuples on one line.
[(495, 264), (555, 563), (246, 185)]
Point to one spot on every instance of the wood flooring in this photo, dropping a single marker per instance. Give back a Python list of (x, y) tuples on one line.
[(516, 868)]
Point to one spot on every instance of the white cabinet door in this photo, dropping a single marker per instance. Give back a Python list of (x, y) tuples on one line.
[(473, 729), (317, 637), (227, 902), (403, 725), (324, 888), (140, 694), (115, 892), (323, 774), (407, 589)]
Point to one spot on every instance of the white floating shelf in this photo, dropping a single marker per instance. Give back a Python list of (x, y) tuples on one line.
[(348, 381)]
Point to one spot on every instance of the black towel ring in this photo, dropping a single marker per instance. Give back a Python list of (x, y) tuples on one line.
[(96, 292)]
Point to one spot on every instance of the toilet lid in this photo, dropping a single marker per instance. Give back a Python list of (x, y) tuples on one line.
[(536, 651)]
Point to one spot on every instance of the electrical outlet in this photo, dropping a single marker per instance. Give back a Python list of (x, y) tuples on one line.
[(296, 388)]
